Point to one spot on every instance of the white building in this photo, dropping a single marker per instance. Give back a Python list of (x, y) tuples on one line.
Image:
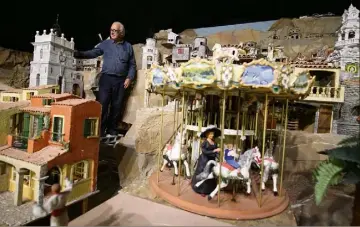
[(150, 54), (53, 62), (173, 38), (199, 48), (348, 40)]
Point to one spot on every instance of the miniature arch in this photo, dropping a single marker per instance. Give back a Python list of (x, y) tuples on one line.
[(53, 171), (351, 34)]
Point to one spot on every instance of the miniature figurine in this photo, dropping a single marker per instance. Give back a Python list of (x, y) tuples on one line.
[(55, 205), (231, 155), (210, 151)]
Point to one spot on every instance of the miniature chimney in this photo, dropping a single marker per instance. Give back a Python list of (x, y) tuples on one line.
[(37, 33), (44, 32)]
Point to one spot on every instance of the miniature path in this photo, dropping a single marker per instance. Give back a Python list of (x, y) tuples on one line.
[(128, 210), (12, 215)]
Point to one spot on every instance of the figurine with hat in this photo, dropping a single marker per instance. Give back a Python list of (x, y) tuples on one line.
[(209, 151)]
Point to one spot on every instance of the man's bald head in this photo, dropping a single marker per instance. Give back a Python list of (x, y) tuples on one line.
[(117, 31)]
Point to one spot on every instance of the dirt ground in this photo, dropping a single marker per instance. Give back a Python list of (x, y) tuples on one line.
[(334, 210)]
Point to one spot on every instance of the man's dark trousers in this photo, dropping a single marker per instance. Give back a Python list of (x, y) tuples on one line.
[(111, 94)]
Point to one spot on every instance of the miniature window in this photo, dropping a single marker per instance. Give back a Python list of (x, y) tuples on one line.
[(343, 36), (47, 102), (14, 99), (79, 171), (29, 95), (91, 127), (27, 178), (57, 133), (2, 168), (351, 34), (41, 54)]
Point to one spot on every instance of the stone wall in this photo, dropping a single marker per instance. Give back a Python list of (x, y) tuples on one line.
[(301, 150), (346, 117)]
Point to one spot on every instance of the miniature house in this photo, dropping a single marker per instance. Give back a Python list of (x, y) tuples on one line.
[(15, 95), (199, 48), (53, 62), (173, 38), (55, 138), (150, 54), (275, 53), (348, 40)]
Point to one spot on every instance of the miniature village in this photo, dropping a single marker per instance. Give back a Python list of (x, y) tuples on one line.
[(249, 94)]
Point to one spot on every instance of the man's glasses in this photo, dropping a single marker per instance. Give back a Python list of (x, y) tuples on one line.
[(114, 30)]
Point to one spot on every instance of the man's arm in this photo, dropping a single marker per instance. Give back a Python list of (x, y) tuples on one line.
[(132, 65), (94, 53)]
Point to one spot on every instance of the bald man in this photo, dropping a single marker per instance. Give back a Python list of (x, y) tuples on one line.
[(55, 205), (118, 70)]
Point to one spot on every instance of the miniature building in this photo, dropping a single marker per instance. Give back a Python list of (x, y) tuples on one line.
[(348, 40), (173, 38), (150, 54), (181, 53), (346, 114), (200, 48), (15, 95), (54, 138), (53, 61), (275, 54)]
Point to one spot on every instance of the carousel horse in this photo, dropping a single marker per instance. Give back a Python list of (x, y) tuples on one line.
[(229, 172), (271, 167), (171, 154)]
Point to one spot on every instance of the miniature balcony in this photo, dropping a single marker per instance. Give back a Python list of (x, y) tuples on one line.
[(326, 94), (353, 41), (27, 144)]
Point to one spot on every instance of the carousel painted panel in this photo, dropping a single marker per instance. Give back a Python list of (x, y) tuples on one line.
[(228, 75), (173, 76), (157, 76), (301, 83), (261, 74), (198, 73)]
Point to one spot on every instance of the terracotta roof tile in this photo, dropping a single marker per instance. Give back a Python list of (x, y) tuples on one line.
[(12, 91), (33, 109), (72, 102), (318, 65), (41, 87), (38, 158), (54, 96), (9, 105)]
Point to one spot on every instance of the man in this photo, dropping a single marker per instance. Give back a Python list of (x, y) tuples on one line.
[(55, 205), (118, 70)]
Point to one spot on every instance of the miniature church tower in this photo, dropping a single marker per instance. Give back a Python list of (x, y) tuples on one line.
[(53, 61), (150, 54), (348, 40)]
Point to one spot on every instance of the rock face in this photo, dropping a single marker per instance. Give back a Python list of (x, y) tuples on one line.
[(301, 150), (14, 67)]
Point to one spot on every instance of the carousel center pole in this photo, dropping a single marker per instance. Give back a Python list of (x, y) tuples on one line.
[(175, 118), (161, 134), (284, 146), (221, 143), (238, 120), (256, 121), (263, 146), (181, 138)]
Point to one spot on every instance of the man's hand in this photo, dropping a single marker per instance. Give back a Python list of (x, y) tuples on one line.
[(127, 83), (217, 150)]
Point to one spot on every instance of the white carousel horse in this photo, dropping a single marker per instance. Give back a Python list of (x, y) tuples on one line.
[(220, 53), (171, 154), (228, 172), (271, 167)]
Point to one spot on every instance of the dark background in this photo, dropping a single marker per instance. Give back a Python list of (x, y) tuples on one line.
[(83, 20)]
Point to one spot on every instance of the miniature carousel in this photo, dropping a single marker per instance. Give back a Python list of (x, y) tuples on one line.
[(249, 103)]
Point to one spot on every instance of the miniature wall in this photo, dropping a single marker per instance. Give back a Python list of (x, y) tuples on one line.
[(10, 94), (4, 179), (5, 114)]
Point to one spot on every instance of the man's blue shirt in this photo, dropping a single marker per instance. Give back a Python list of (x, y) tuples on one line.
[(118, 58)]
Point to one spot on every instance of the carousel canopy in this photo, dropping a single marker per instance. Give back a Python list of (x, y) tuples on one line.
[(258, 76)]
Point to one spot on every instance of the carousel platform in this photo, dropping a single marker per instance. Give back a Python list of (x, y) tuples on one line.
[(243, 208)]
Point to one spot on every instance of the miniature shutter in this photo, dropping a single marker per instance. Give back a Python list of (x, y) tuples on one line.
[(44, 102), (87, 127), (26, 124), (57, 128), (40, 124)]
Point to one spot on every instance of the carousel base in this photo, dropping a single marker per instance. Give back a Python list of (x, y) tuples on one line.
[(243, 208)]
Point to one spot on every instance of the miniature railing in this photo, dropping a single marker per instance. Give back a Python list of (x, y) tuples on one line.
[(57, 137), (20, 142), (326, 94), (346, 42)]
